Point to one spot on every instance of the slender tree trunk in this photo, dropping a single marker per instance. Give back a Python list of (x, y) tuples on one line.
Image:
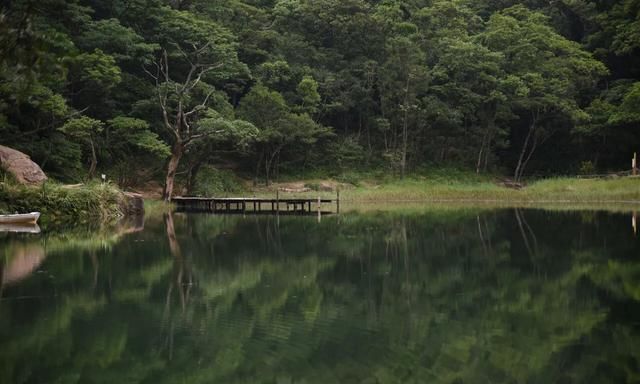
[(94, 161), (485, 148), (487, 152), (172, 168), (534, 146), (520, 166), (481, 153)]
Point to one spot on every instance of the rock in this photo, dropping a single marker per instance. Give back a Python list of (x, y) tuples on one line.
[(295, 190), (326, 187), (508, 183), (134, 204), (21, 167)]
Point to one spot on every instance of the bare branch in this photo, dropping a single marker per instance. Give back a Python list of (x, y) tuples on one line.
[(185, 85), (154, 77), (197, 51), (201, 105), (165, 65), (205, 68)]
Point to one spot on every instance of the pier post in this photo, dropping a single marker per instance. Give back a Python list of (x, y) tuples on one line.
[(337, 199), (319, 209), (634, 164)]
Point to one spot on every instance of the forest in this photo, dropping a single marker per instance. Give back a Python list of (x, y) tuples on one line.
[(146, 90)]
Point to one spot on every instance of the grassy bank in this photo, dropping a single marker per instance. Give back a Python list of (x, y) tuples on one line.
[(416, 189), (551, 190), (64, 203)]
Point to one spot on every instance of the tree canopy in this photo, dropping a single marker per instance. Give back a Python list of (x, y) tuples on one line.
[(494, 86)]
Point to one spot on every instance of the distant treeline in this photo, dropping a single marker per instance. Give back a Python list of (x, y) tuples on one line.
[(142, 88)]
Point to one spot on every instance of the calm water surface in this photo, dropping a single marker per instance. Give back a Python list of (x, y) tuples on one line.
[(435, 296)]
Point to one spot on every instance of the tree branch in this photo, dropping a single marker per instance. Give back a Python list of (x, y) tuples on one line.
[(202, 105)]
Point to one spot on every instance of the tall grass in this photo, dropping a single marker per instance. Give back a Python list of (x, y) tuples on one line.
[(53, 200)]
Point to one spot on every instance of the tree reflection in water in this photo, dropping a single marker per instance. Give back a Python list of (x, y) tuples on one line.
[(436, 296)]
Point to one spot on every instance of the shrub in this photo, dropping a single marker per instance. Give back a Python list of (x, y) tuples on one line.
[(587, 168), (211, 181), (353, 178)]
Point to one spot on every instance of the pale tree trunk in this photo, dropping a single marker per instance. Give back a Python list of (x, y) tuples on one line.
[(534, 146), (405, 139), (179, 124), (94, 161), (488, 123), (519, 167), (522, 160), (481, 153), (487, 152), (172, 168)]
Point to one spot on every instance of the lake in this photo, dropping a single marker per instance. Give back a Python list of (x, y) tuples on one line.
[(407, 296)]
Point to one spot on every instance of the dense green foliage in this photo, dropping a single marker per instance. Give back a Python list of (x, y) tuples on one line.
[(143, 88)]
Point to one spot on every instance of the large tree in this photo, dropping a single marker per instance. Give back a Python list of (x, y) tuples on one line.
[(195, 54)]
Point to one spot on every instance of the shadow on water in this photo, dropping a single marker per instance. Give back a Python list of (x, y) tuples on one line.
[(442, 296)]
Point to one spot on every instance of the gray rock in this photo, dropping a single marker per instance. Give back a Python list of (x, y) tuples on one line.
[(21, 167)]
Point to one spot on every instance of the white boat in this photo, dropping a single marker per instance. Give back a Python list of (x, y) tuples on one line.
[(20, 218)]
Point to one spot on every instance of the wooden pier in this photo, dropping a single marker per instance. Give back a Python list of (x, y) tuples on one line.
[(256, 205)]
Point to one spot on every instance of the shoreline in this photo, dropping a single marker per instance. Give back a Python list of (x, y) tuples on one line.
[(71, 203), (556, 191)]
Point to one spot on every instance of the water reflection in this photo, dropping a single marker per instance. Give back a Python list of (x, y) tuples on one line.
[(19, 228), (23, 260), (434, 296)]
